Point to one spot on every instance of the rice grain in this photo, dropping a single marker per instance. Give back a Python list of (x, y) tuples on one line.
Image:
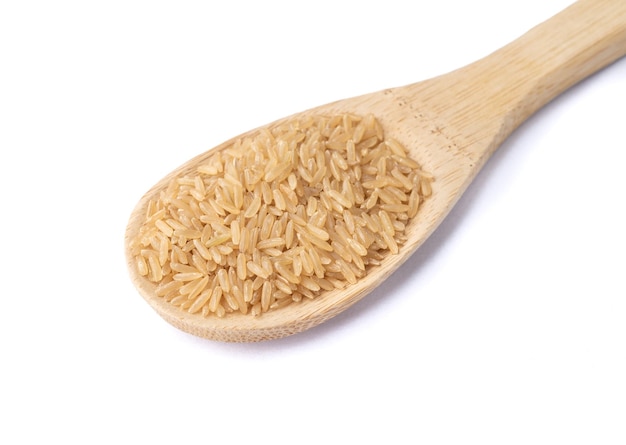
[(286, 214)]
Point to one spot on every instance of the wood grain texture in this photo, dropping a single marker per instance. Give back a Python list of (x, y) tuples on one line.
[(451, 125)]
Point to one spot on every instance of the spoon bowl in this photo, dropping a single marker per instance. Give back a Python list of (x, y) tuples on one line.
[(450, 125)]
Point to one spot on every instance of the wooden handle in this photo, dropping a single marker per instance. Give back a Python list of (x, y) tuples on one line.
[(505, 88), (555, 55)]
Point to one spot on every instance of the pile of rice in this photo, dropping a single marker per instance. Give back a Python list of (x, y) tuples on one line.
[(280, 216)]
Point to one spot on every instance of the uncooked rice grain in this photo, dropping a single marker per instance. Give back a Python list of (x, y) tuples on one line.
[(291, 212)]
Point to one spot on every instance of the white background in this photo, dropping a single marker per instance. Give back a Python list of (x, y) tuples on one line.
[(507, 327)]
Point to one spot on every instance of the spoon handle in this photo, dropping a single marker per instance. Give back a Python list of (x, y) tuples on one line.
[(559, 53), (505, 88)]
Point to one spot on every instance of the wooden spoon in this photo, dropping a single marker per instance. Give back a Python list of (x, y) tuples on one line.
[(451, 125)]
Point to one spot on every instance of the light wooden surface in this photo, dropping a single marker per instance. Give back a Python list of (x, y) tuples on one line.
[(451, 125)]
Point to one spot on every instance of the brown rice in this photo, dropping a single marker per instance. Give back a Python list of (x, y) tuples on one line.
[(288, 213)]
